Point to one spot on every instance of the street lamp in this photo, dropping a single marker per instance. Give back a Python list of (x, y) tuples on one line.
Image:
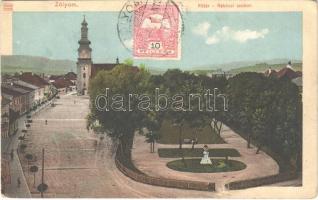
[(42, 187)]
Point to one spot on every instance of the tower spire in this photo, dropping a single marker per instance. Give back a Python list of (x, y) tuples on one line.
[(84, 30), (84, 19)]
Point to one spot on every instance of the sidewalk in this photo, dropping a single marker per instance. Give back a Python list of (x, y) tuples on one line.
[(257, 165), (7, 144), (12, 190)]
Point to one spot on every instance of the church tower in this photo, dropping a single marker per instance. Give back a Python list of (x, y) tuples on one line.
[(84, 61)]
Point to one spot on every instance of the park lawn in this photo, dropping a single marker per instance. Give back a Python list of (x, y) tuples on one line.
[(170, 134), (197, 152), (218, 165)]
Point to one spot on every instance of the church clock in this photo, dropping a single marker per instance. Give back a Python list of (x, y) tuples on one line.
[(84, 54)]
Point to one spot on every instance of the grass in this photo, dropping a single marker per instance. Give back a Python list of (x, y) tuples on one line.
[(169, 134), (197, 152), (194, 166)]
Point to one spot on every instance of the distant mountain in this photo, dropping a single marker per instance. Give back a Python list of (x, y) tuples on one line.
[(239, 66), (36, 64), (248, 66), (262, 67), (18, 63)]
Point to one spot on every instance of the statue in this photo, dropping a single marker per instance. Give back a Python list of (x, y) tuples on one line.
[(205, 159)]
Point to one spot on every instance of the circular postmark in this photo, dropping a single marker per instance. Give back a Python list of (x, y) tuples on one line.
[(138, 20)]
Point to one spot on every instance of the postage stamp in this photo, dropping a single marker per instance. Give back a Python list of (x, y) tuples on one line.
[(156, 31)]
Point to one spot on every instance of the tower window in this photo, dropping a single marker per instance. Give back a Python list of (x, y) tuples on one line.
[(84, 75)]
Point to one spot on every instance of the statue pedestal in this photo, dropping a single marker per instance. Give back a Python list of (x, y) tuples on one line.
[(205, 159)]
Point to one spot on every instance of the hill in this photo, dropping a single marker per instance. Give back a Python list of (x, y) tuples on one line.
[(264, 66), (18, 63)]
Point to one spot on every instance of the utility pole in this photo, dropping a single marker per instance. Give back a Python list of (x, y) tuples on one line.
[(42, 179), (42, 187)]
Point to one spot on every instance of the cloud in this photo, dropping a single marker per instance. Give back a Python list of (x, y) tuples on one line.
[(202, 29), (243, 36), (228, 34), (212, 40)]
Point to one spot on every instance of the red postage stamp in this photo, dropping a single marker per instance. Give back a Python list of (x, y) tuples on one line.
[(156, 32)]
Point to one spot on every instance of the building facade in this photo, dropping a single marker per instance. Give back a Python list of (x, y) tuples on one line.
[(5, 116), (44, 88), (18, 97)]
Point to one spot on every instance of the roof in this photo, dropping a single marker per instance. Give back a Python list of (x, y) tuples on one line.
[(103, 66), (23, 87), (107, 66), (270, 72), (299, 73), (54, 77), (70, 76), (33, 79), (62, 83), (287, 72), (12, 90), (25, 84)]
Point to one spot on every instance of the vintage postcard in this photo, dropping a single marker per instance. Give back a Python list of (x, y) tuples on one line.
[(158, 99)]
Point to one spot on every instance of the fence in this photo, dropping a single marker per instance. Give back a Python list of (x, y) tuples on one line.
[(164, 182), (236, 185)]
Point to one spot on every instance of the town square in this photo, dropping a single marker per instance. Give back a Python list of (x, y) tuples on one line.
[(152, 100)]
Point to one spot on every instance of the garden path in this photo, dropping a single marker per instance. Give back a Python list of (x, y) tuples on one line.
[(257, 165)]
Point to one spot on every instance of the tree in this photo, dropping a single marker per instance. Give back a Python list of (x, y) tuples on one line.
[(243, 90), (34, 169), (119, 125), (29, 157), (152, 137), (129, 62), (198, 123), (216, 116), (259, 128), (152, 125), (267, 111)]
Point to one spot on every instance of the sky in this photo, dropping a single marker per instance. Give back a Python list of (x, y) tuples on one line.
[(209, 38)]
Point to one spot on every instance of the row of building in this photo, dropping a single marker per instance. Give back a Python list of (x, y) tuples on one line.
[(24, 92), (287, 72)]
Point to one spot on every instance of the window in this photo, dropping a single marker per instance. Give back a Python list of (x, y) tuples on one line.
[(84, 75)]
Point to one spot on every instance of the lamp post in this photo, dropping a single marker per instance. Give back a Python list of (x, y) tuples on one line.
[(151, 141), (42, 187)]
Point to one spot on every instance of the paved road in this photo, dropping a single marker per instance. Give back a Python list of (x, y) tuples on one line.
[(77, 164)]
